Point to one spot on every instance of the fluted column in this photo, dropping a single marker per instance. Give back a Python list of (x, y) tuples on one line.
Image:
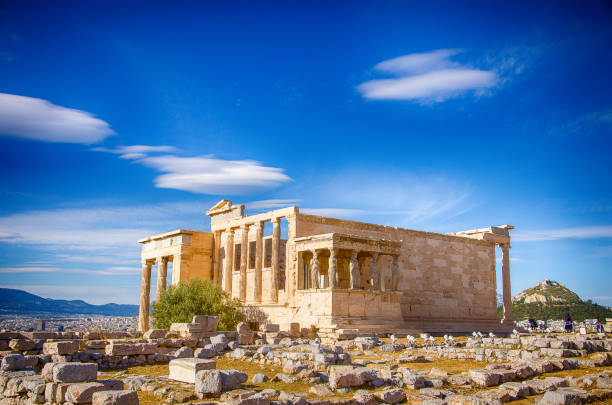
[(228, 266), (259, 228), (274, 279), (395, 273), (355, 272), (375, 273), (145, 291), (216, 277), (505, 249), (162, 274), (244, 257), (332, 272)]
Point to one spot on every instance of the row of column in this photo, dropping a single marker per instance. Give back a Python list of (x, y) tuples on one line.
[(145, 289), (225, 279), (377, 282)]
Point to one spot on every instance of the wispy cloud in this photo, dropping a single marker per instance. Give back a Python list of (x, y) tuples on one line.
[(110, 271), (95, 229), (387, 197), (272, 204), (426, 77), (585, 124), (585, 232), (137, 151), (34, 118), (209, 175), (203, 174)]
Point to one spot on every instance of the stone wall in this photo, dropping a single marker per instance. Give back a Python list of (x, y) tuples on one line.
[(442, 277)]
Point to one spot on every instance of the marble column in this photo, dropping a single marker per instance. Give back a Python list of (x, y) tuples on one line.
[(276, 237), (216, 277), (162, 274), (355, 272), (507, 319), (374, 272), (259, 228), (145, 291), (314, 270), (244, 259), (332, 272), (395, 273), (228, 265)]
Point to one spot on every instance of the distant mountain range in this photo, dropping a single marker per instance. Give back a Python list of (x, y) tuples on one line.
[(22, 302)]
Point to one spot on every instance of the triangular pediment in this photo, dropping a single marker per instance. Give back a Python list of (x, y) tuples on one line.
[(221, 206)]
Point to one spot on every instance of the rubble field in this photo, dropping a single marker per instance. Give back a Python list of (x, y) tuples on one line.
[(271, 366)]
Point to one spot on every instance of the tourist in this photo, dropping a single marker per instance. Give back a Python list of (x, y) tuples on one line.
[(569, 326), (598, 326), (532, 323)]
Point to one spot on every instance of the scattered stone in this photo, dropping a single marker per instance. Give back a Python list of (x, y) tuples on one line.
[(559, 398), (61, 348), (348, 376), (321, 390), (115, 398), (185, 369), (155, 334), (391, 396), (12, 362), (259, 378), (75, 372)]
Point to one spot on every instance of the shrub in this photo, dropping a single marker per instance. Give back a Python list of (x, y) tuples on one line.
[(179, 303)]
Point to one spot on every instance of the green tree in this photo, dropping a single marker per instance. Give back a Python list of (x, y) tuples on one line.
[(179, 303)]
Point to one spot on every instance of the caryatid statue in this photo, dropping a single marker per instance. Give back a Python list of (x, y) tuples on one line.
[(354, 270), (314, 270), (333, 268)]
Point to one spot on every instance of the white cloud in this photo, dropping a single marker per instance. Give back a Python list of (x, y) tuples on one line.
[(209, 175), (104, 230), (137, 151), (272, 204), (585, 232), (418, 62), (387, 197), (109, 271), (426, 77), (203, 174), (38, 119)]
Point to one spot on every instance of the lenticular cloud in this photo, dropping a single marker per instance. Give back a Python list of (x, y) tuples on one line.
[(426, 77), (38, 119)]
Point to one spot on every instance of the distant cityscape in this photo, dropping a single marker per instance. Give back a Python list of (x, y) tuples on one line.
[(72, 323)]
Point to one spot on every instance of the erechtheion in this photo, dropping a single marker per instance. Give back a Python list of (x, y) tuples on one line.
[(339, 275)]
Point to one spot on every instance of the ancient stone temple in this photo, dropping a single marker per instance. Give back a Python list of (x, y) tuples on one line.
[(339, 275)]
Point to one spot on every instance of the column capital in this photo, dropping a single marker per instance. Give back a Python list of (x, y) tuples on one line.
[(245, 226), (275, 220)]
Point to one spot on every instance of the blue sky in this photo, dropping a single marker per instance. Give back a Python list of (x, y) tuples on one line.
[(120, 121)]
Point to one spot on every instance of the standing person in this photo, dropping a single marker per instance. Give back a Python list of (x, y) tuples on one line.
[(598, 326), (532, 323), (569, 326)]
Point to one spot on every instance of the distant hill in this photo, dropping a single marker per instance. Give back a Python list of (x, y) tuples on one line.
[(22, 302), (552, 300), (547, 292)]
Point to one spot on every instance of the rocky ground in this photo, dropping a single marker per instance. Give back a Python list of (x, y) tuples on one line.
[(285, 368)]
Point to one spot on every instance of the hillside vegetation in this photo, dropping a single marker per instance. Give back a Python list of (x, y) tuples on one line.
[(552, 300)]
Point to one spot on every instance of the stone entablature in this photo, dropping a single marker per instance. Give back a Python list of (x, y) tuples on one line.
[(425, 279)]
